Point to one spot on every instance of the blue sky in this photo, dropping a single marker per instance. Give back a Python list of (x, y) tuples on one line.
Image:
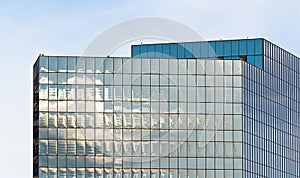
[(67, 27)]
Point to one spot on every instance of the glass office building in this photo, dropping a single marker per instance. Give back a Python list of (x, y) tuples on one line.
[(196, 109)]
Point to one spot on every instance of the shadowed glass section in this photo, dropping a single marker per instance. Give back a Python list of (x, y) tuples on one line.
[(249, 50)]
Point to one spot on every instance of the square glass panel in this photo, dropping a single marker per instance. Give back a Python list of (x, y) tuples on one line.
[(71, 64), (52, 64), (62, 64)]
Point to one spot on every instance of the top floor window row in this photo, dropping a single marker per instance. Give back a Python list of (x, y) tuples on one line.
[(203, 49)]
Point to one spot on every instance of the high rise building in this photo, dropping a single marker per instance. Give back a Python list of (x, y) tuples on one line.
[(227, 108)]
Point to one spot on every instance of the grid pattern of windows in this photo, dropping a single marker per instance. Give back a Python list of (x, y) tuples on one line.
[(121, 117), (271, 116), (169, 111)]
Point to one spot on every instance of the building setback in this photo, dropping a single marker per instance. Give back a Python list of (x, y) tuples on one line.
[(227, 108)]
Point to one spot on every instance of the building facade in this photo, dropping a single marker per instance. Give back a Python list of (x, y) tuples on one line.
[(197, 109)]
